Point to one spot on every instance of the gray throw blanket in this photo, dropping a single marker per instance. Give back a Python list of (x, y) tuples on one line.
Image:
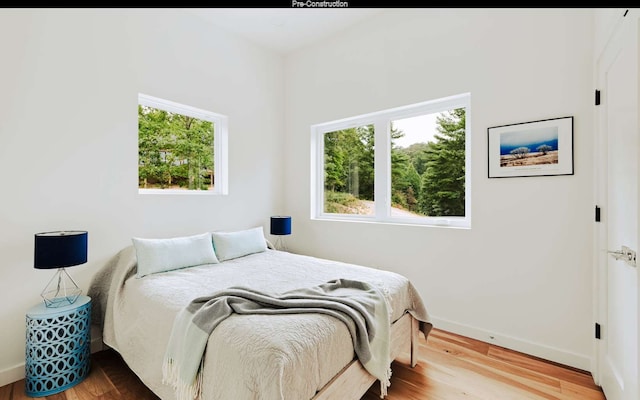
[(362, 307)]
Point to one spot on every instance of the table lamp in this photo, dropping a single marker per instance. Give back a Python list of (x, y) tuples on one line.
[(280, 226), (58, 250)]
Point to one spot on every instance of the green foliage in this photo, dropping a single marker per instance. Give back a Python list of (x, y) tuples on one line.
[(405, 182), (341, 203), (174, 150), (418, 154), (348, 163), (443, 182)]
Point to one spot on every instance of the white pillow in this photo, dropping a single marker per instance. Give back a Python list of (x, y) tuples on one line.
[(160, 255), (229, 245)]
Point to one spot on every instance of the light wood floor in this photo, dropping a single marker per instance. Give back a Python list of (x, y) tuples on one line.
[(451, 367)]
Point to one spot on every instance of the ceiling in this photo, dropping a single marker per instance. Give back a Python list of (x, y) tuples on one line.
[(283, 30)]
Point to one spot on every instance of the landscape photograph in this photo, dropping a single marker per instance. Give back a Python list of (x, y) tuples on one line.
[(529, 147)]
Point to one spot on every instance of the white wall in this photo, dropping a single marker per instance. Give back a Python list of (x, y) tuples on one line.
[(522, 273), (69, 81)]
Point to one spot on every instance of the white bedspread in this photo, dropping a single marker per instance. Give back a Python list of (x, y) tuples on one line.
[(247, 356)]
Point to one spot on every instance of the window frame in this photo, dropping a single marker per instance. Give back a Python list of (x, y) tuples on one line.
[(381, 120), (220, 147)]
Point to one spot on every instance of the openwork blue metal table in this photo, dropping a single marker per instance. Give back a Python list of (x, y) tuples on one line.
[(58, 348)]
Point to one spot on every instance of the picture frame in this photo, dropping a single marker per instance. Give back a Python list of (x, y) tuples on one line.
[(536, 148)]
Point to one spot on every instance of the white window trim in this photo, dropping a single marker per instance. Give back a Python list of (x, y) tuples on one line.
[(220, 146), (382, 163)]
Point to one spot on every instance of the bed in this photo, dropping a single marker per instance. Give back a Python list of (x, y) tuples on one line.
[(294, 356)]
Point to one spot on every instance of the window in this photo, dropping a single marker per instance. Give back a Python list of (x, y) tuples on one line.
[(405, 165), (181, 149)]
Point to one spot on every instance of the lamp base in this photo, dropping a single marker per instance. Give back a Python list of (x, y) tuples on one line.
[(279, 244), (61, 290)]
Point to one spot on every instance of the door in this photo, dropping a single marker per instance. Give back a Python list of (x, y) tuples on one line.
[(617, 183)]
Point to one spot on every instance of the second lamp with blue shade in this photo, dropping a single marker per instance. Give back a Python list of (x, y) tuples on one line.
[(280, 226)]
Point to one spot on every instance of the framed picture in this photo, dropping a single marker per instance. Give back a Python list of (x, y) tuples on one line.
[(537, 148)]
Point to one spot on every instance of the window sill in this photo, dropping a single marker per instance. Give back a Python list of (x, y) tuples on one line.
[(431, 223), (179, 192)]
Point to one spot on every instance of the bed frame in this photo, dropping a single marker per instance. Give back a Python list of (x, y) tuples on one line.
[(354, 381)]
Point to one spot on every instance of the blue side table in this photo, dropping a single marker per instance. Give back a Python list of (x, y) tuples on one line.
[(58, 348)]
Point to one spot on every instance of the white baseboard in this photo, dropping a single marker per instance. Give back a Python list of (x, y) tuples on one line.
[(12, 374), (524, 346), (16, 373)]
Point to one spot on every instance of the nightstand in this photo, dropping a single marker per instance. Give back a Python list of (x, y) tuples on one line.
[(58, 348)]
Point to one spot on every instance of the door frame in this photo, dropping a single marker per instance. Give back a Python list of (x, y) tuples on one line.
[(600, 171)]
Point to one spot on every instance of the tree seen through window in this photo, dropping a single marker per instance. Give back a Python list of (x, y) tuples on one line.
[(175, 151)]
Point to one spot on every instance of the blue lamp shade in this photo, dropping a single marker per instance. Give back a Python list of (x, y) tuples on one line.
[(281, 225), (60, 249)]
